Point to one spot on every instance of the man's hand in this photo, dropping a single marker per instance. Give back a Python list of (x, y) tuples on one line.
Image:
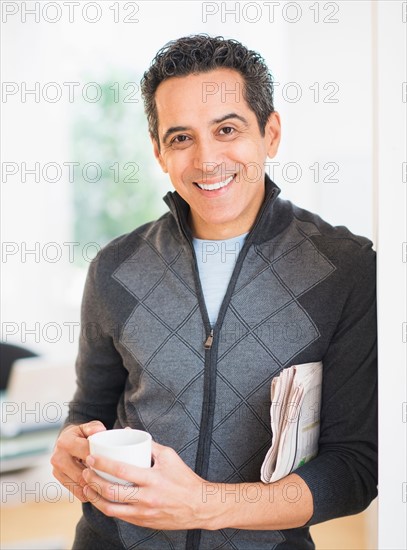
[(70, 453), (166, 496), (170, 496)]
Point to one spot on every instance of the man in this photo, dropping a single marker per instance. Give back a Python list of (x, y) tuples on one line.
[(186, 346)]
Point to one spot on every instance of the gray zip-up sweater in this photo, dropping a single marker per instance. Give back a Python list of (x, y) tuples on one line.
[(301, 291)]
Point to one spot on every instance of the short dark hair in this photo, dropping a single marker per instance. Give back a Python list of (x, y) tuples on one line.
[(202, 53)]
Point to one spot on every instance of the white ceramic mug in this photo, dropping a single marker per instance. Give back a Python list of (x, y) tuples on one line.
[(124, 445)]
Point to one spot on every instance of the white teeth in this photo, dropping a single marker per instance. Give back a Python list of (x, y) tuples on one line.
[(214, 186)]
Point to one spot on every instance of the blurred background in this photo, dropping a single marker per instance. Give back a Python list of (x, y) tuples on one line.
[(78, 170)]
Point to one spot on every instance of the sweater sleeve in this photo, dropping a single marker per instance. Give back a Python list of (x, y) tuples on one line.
[(100, 374), (343, 477)]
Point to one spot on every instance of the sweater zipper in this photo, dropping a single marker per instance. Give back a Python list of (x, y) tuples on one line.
[(209, 340)]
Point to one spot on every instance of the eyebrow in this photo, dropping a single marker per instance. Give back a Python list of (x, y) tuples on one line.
[(228, 116)]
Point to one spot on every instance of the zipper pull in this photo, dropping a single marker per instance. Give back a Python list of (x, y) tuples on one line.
[(209, 340)]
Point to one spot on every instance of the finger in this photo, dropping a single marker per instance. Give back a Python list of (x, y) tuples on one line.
[(92, 427), (68, 465), (78, 447), (72, 486), (81, 441), (76, 442), (127, 472), (113, 491), (72, 442), (108, 507)]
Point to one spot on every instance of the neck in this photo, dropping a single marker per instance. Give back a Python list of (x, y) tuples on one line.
[(202, 229), (218, 232)]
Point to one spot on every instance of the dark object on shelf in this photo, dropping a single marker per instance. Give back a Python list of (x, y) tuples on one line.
[(8, 354)]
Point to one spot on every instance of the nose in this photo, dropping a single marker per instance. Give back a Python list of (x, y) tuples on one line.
[(208, 156)]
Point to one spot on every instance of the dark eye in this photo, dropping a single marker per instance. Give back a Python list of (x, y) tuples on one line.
[(179, 139), (227, 130)]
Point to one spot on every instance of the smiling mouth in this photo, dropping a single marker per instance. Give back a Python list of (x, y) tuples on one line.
[(214, 186)]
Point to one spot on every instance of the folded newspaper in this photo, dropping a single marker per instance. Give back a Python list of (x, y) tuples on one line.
[(295, 418)]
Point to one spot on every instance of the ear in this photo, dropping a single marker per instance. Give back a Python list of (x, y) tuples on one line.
[(158, 155), (273, 134)]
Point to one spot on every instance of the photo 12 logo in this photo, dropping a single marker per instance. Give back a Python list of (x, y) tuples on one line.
[(69, 92), (270, 12), (291, 92), (68, 171), (71, 12)]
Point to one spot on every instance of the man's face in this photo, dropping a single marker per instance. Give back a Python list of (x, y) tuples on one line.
[(213, 151)]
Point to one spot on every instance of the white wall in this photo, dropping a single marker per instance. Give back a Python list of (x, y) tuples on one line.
[(390, 169)]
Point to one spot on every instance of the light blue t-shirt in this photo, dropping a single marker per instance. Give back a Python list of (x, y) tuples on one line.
[(216, 261)]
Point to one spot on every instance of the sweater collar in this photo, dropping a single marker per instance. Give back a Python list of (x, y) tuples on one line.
[(180, 210)]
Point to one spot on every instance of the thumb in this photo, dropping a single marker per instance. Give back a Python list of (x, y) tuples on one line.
[(92, 427)]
